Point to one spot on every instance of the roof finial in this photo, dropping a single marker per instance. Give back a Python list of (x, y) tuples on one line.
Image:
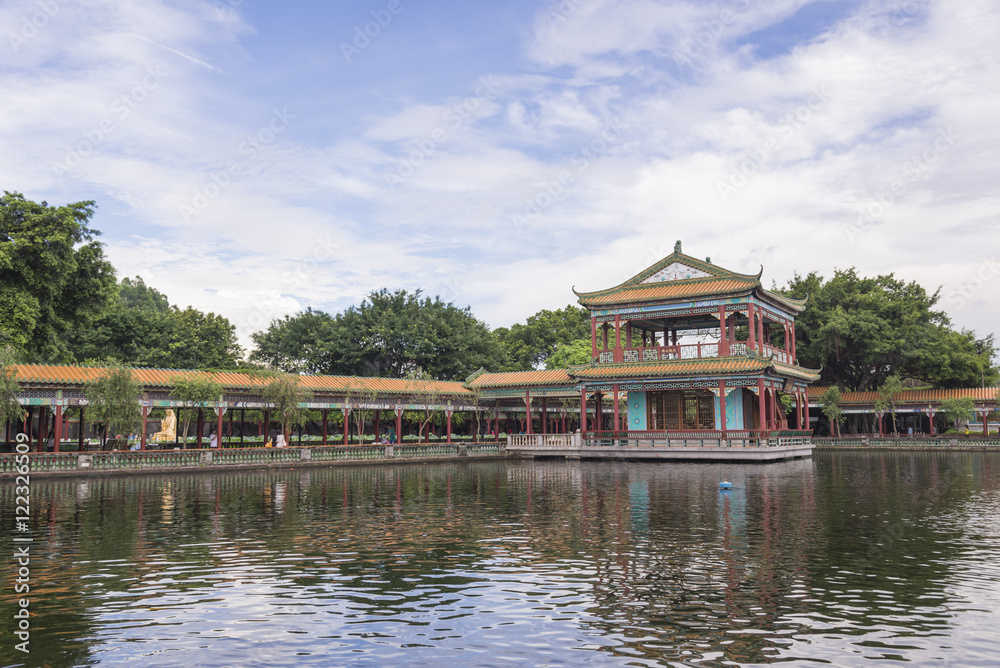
[(677, 246)]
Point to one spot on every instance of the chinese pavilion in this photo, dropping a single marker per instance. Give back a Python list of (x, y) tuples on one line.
[(688, 346)]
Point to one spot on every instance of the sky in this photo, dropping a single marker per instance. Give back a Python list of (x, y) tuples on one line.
[(256, 158)]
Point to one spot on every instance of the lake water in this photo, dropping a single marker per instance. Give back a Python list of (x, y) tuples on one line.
[(847, 559)]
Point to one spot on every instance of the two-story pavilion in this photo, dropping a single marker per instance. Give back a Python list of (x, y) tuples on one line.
[(680, 340), (684, 338)]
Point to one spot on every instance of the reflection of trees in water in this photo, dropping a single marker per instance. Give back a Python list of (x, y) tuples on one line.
[(652, 555)]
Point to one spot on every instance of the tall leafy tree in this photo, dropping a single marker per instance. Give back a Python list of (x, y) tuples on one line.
[(863, 330), (54, 278), (297, 344), (527, 346), (141, 328), (574, 353), (387, 335)]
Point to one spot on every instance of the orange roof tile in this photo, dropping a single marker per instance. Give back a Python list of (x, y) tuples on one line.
[(700, 287), (684, 367), (523, 379), (911, 396), (39, 374)]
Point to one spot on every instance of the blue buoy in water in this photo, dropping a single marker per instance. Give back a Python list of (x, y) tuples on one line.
[(725, 485)]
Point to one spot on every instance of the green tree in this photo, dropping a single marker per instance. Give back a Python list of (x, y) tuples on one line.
[(142, 329), (529, 345), (861, 330), (387, 335), (287, 395), (114, 400), (830, 402), (10, 409), (575, 353), (358, 398), (297, 344), (885, 399), (427, 394), (54, 278), (196, 392), (956, 410)]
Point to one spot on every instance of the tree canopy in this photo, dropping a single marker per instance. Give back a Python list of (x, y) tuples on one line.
[(54, 278), (863, 330), (387, 335), (527, 346), (142, 329)]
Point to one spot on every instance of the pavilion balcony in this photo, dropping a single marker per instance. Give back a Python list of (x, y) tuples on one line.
[(690, 351)]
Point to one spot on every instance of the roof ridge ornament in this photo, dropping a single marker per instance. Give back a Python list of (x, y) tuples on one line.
[(677, 246)]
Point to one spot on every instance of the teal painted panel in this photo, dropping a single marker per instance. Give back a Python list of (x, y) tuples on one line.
[(734, 409), (637, 411)]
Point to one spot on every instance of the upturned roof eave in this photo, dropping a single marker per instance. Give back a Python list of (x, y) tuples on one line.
[(716, 271)]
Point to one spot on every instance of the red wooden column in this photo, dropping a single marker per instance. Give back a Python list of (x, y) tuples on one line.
[(57, 427), (598, 410), (527, 410), (200, 428), (593, 339), (545, 415), (583, 410), (614, 392), (723, 333), (619, 356), (751, 327), (496, 423), (79, 436), (219, 412), (43, 420), (930, 415), (722, 406), (563, 420), (447, 414), (347, 422), (762, 419), (986, 425), (378, 433), (145, 422), (326, 413), (399, 423), (791, 329)]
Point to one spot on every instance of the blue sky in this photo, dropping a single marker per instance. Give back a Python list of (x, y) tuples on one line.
[(255, 158)]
